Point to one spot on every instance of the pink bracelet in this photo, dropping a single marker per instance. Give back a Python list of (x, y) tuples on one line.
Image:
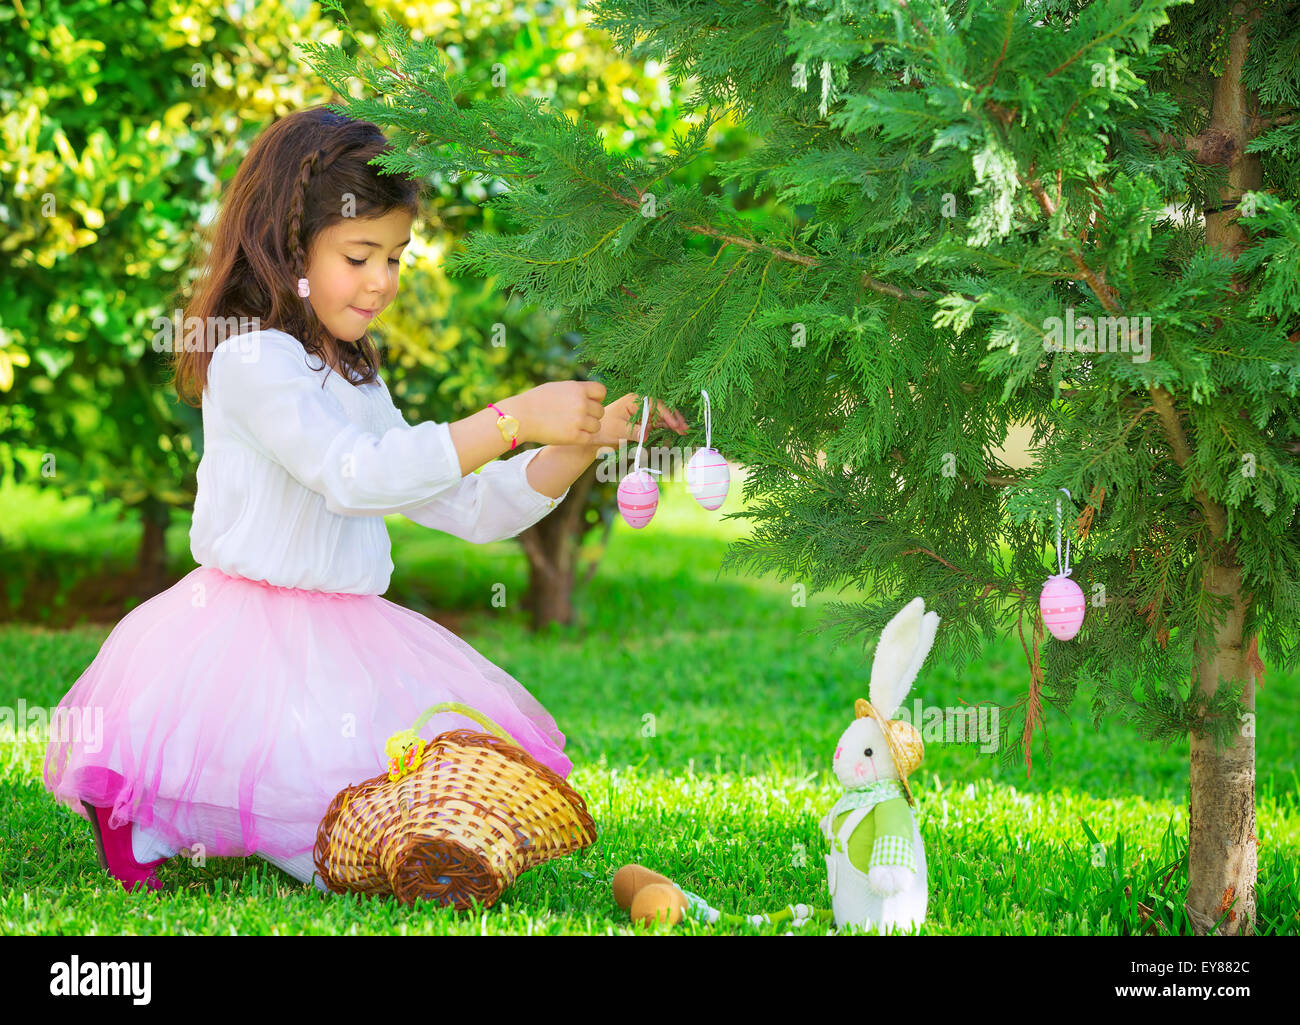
[(513, 441)]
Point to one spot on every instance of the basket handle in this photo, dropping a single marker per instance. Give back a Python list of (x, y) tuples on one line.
[(465, 710), (405, 748)]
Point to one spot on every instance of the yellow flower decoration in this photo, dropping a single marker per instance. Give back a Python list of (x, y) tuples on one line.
[(405, 751)]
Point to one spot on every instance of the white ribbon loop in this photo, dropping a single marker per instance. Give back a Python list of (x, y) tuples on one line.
[(636, 463), (1062, 569)]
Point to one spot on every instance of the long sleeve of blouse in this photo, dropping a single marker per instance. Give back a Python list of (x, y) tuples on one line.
[(300, 466), (493, 503)]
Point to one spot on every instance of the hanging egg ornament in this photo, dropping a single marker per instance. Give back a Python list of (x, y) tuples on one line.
[(638, 492), (1062, 606), (1061, 603), (638, 498), (708, 478)]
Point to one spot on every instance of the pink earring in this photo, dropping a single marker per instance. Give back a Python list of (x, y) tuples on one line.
[(303, 289)]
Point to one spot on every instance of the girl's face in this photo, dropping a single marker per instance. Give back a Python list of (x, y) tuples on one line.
[(352, 271)]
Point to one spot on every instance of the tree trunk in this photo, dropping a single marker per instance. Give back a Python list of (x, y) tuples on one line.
[(1221, 855), (552, 546), (152, 562)]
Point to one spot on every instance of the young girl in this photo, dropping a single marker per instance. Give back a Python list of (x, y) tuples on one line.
[(238, 702)]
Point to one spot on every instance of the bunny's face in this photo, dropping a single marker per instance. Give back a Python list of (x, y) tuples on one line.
[(862, 756)]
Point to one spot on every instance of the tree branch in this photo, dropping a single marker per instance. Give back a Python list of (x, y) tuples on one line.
[(1260, 125), (1162, 399), (993, 480), (1211, 147), (1182, 452), (988, 585), (875, 285)]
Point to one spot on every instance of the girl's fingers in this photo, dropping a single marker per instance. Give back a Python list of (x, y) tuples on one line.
[(655, 423), (660, 416), (672, 418)]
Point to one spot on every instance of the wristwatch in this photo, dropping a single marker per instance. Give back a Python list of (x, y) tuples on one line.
[(508, 426)]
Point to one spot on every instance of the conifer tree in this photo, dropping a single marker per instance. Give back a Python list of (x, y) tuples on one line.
[(1076, 216)]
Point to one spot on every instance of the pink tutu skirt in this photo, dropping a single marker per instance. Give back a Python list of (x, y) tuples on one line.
[(233, 711)]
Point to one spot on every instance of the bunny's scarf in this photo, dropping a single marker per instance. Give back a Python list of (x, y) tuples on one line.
[(868, 795)]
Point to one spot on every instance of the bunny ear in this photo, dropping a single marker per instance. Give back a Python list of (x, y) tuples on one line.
[(929, 627), (904, 643)]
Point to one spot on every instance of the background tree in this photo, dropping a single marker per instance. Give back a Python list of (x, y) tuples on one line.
[(121, 123), (116, 118), (969, 172)]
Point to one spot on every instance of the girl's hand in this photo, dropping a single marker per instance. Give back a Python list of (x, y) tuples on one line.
[(615, 425), (559, 412)]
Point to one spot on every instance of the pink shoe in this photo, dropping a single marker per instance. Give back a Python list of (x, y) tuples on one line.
[(114, 849)]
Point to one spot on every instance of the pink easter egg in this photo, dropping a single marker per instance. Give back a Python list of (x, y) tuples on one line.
[(708, 478), (638, 498), (1062, 606)]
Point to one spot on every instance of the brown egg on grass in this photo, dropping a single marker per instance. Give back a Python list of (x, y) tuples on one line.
[(658, 902), (630, 879)]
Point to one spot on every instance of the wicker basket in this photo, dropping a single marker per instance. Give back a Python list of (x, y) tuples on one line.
[(460, 817)]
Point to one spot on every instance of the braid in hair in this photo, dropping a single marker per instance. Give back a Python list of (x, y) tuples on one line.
[(314, 163), (306, 170)]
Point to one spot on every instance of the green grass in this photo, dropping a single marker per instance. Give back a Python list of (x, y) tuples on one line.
[(722, 795)]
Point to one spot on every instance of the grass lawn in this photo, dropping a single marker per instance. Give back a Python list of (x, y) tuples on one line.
[(721, 790)]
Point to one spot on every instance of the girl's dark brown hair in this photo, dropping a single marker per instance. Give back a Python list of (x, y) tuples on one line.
[(294, 182)]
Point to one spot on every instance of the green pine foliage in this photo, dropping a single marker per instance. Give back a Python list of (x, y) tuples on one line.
[(959, 174)]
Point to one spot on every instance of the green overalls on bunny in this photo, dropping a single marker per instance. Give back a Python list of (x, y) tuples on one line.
[(872, 828), (882, 835)]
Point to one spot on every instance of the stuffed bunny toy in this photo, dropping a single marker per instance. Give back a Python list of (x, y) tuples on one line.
[(876, 867)]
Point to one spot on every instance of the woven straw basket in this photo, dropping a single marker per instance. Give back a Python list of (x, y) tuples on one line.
[(459, 817)]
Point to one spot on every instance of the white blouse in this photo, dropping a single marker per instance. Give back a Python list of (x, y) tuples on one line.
[(296, 479)]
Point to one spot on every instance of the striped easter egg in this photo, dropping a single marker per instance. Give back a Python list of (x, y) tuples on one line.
[(708, 478), (1062, 606), (638, 498)]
